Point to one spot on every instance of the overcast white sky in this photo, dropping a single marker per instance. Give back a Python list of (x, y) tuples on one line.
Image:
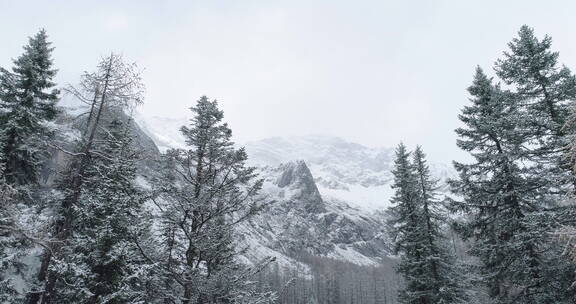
[(373, 72)]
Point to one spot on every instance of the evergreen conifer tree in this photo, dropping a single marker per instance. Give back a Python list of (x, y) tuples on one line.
[(211, 190), (444, 278), (27, 102), (27, 105), (102, 264), (406, 220), (115, 86), (426, 265), (532, 68), (546, 90), (509, 216)]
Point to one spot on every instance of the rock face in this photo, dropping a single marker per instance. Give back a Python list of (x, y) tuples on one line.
[(345, 171), (325, 196), (299, 220), (296, 176)]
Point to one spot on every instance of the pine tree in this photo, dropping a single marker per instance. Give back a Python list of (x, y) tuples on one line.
[(546, 89), (509, 217), (27, 102), (444, 277), (406, 220), (425, 264), (211, 190), (532, 68), (27, 105)]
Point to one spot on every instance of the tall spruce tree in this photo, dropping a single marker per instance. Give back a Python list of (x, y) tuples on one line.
[(509, 215), (443, 276), (407, 229), (427, 267), (210, 191), (546, 89), (27, 105), (27, 102), (533, 70)]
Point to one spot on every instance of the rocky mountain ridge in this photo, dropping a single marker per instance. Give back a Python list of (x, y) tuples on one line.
[(325, 196)]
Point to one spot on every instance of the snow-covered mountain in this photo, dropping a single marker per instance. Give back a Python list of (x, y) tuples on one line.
[(345, 171), (298, 219), (348, 172), (326, 195)]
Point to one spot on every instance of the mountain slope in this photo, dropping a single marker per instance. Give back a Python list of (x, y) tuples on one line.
[(298, 220), (326, 196), (352, 173)]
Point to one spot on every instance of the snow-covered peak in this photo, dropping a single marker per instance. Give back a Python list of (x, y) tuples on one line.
[(296, 175), (342, 170)]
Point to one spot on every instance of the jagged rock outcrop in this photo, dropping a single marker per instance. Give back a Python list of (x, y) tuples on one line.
[(297, 177), (298, 220), (346, 171)]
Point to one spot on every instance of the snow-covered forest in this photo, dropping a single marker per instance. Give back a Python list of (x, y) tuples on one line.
[(97, 208)]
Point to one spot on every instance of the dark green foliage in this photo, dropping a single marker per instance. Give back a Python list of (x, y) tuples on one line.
[(545, 89), (27, 106), (532, 68), (27, 102), (509, 213), (427, 267), (102, 262)]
